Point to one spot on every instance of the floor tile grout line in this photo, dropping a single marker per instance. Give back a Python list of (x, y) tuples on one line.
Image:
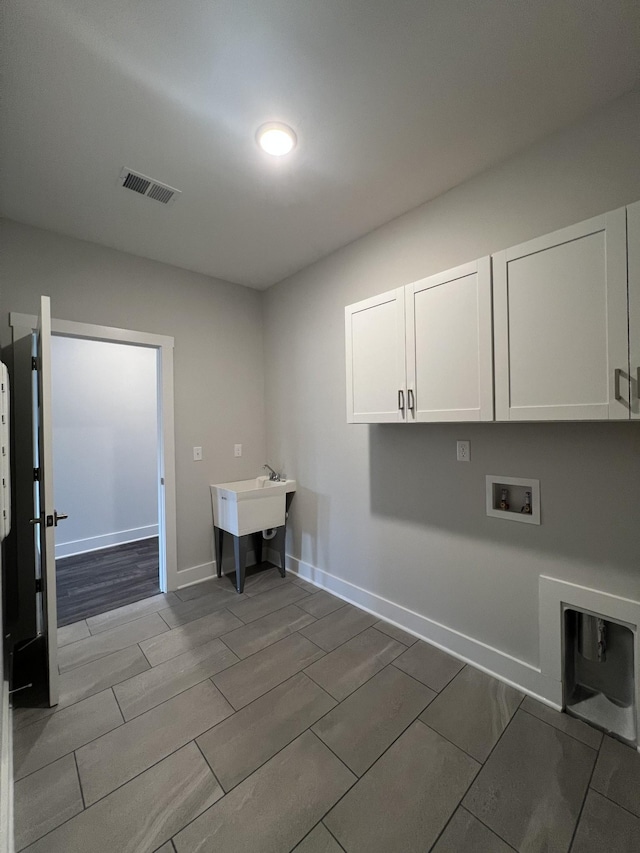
[(247, 625), (120, 725), (84, 802), (165, 621), (151, 766), (112, 651), (596, 749), (344, 642), (398, 736), (101, 690), (173, 696), (255, 598), (211, 770), (461, 748), (611, 800), (486, 825), (358, 778), (194, 601), (502, 734), (242, 707), (122, 624), (189, 648), (417, 680), (95, 803), (344, 698), (483, 764), (582, 804), (242, 660), (454, 812), (145, 657), (307, 729), (75, 748), (331, 834)]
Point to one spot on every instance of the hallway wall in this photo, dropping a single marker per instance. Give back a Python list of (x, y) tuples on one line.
[(105, 448)]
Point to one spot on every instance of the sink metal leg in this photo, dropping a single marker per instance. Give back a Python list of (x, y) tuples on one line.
[(240, 550), (218, 535), (279, 546)]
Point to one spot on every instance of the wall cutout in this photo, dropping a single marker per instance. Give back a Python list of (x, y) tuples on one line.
[(513, 498)]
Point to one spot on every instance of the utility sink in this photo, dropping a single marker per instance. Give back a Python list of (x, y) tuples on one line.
[(248, 506)]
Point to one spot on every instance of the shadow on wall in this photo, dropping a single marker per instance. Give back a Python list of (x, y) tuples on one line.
[(312, 542), (589, 484)]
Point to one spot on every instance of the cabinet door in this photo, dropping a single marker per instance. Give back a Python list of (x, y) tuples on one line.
[(633, 244), (449, 343), (560, 325), (376, 372)]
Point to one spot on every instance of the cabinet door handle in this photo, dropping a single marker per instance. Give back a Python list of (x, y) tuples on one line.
[(638, 382), (410, 400), (401, 400), (616, 382)]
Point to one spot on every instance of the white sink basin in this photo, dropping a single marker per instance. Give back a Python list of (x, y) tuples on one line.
[(248, 506)]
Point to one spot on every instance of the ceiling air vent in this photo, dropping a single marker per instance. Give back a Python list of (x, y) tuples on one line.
[(148, 187)]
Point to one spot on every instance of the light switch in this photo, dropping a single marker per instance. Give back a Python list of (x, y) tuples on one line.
[(197, 454), (237, 450)]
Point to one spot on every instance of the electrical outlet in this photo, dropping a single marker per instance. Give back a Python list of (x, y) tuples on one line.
[(197, 454), (237, 450), (463, 451)]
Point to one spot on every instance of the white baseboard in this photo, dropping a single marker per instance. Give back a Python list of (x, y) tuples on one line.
[(511, 670), (205, 571), (107, 540), (196, 574)]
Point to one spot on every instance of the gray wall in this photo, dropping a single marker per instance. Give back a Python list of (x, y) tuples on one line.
[(387, 507), (105, 448), (217, 326)]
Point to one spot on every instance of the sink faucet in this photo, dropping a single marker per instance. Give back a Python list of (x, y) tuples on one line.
[(272, 474)]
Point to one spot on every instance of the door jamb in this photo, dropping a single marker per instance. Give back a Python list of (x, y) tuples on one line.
[(164, 344)]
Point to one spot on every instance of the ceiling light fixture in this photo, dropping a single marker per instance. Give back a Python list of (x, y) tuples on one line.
[(276, 139)]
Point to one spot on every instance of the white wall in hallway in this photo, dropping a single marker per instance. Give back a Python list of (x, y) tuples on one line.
[(105, 427)]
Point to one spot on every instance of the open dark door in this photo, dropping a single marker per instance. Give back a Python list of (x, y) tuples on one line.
[(46, 518)]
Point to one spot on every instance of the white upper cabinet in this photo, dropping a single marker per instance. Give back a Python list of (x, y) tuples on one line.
[(423, 352), (449, 345), (633, 237), (376, 368), (560, 325)]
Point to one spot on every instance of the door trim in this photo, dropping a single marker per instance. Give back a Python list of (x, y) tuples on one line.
[(164, 344)]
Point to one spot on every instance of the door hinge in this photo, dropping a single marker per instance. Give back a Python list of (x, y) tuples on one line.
[(36, 475), (34, 362), (39, 587)]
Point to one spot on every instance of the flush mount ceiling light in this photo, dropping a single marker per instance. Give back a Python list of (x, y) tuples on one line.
[(276, 139)]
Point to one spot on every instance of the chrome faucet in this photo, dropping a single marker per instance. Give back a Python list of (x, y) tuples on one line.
[(272, 474)]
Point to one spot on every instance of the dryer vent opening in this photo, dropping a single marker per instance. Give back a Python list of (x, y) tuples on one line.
[(599, 684)]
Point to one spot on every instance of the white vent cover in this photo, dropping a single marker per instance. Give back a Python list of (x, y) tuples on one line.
[(148, 187)]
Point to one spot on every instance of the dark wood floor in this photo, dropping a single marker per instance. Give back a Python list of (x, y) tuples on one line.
[(103, 580)]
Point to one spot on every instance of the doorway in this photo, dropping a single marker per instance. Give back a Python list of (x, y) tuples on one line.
[(25, 324), (105, 423)]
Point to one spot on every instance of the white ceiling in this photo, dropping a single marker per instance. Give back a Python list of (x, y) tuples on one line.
[(393, 102)]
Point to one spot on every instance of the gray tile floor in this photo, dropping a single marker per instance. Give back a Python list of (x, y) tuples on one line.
[(284, 719)]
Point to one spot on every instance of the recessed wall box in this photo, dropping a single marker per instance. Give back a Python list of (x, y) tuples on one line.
[(513, 498)]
